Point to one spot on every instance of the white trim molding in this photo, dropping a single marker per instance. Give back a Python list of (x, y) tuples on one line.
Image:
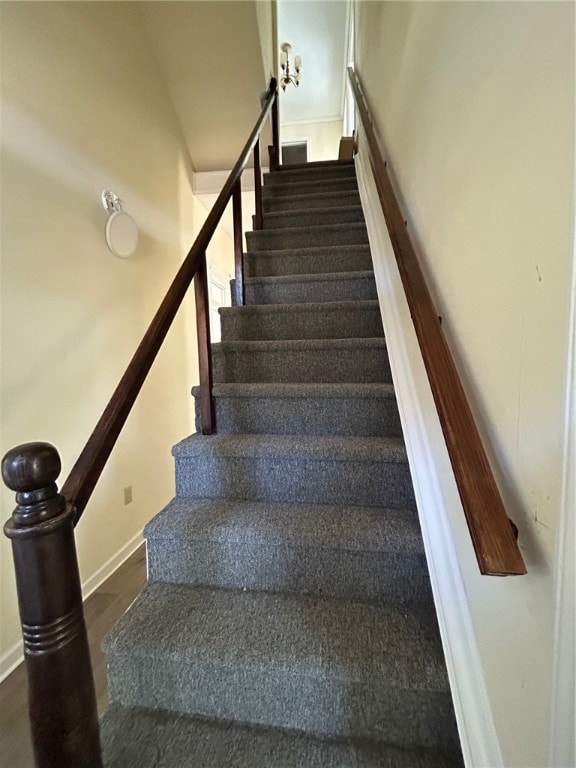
[(211, 182), (435, 489), (562, 752), (15, 655), (313, 121)]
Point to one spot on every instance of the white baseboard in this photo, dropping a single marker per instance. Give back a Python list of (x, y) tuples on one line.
[(91, 584), (10, 660), (14, 656), (436, 492)]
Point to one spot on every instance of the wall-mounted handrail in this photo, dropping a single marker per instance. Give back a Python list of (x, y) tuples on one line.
[(492, 533), (61, 697)]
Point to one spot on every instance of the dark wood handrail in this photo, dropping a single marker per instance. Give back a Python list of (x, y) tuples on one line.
[(85, 473), (491, 530)]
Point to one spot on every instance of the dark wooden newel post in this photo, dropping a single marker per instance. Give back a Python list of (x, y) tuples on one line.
[(207, 417), (274, 148), (257, 187), (238, 249), (61, 698)]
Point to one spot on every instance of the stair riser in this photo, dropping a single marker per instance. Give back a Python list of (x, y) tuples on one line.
[(313, 218), (310, 174), (312, 292), (299, 262), (327, 164), (133, 738), (303, 237), (358, 365), (308, 291), (391, 578), (347, 417), (321, 200), (273, 192), (283, 697), (296, 480), (244, 324)]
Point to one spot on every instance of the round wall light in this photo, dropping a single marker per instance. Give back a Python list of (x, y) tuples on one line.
[(121, 230)]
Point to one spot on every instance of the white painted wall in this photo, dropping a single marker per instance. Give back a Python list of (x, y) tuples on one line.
[(266, 18), (214, 67), (323, 138), (84, 108), (475, 104), (317, 32)]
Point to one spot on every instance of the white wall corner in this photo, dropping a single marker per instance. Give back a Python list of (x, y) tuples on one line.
[(435, 489), (563, 724), (14, 655)]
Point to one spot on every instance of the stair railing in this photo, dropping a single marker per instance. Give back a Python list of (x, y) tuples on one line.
[(492, 532), (61, 694)]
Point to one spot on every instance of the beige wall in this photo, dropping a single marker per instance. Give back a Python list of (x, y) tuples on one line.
[(323, 138), (475, 104), (84, 109), (266, 17)]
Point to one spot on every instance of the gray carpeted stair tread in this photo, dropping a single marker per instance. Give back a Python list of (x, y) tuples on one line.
[(314, 164), (355, 553), (344, 449), (288, 618), (141, 738), (363, 410), (366, 471), (309, 261), (345, 170), (309, 289), (317, 390), (313, 217), (274, 191), (328, 320), (361, 360), (314, 277), (306, 237), (349, 640), (336, 667), (322, 199), (317, 526)]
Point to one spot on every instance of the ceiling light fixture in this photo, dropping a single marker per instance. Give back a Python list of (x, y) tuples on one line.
[(286, 78)]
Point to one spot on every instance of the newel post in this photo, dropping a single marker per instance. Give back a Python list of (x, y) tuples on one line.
[(274, 148), (61, 697)]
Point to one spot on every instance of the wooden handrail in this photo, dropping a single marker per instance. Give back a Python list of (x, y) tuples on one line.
[(61, 697), (492, 532), (85, 473)]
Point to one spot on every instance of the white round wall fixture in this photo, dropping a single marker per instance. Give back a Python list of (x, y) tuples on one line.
[(121, 234), (121, 229)]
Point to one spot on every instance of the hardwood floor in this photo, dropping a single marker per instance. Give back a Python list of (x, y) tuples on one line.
[(101, 609)]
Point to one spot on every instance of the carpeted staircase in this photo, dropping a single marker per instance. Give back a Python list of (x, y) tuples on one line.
[(288, 620)]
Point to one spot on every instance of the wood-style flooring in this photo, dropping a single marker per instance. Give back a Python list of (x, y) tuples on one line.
[(101, 609)]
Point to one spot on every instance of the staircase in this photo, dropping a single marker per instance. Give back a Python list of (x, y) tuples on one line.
[(288, 619)]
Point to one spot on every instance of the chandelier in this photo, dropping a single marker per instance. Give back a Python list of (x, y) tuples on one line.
[(286, 77)]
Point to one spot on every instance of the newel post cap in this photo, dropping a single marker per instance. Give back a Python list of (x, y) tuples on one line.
[(31, 470)]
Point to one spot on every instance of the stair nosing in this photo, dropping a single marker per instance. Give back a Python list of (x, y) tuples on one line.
[(332, 227), (314, 211), (328, 390), (367, 305), (285, 344), (372, 450), (312, 277)]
